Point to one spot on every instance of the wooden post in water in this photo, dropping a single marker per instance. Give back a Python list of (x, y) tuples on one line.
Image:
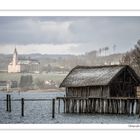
[(115, 106), (90, 106), (72, 107), (64, 105), (81, 105), (22, 107), (53, 108), (67, 105), (139, 107), (107, 106), (84, 105), (120, 107), (135, 107), (110, 107), (127, 110), (82, 102), (9, 103), (77, 104), (93, 104), (80, 110), (58, 105), (100, 105), (96, 106), (104, 106), (125, 106), (130, 109)]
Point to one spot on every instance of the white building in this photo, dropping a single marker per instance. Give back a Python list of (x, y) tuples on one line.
[(23, 65)]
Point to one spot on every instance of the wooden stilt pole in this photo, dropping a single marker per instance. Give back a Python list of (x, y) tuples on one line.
[(53, 108), (59, 106), (7, 102), (22, 107), (64, 105)]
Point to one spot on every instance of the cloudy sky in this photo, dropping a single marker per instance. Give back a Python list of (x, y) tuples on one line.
[(67, 35)]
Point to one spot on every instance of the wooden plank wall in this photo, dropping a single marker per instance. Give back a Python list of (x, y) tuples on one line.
[(138, 91), (97, 91)]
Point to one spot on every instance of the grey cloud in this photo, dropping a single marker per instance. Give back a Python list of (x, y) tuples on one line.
[(90, 32)]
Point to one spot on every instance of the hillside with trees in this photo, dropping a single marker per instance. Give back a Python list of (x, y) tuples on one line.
[(132, 58), (64, 63)]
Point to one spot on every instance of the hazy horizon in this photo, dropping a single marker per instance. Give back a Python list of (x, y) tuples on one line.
[(57, 54), (68, 35)]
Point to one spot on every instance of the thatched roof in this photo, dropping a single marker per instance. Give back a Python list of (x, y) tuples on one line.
[(81, 76)]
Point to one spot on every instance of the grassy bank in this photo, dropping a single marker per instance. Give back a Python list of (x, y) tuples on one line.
[(43, 76)]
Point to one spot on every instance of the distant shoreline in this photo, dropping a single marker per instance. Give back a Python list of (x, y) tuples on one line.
[(36, 91), (44, 90)]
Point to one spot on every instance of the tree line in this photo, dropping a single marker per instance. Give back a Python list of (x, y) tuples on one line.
[(132, 58)]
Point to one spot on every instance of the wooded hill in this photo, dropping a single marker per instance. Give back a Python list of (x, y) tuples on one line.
[(64, 62)]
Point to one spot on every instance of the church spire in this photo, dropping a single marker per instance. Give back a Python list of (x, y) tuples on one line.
[(15, 51), (15, 57)]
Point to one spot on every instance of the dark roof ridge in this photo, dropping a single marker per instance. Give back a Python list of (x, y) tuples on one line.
[(100, 66)]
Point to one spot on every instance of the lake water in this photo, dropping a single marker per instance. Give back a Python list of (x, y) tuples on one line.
[(39, 112)]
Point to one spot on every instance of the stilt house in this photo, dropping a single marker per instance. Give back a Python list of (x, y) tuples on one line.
[(101, 81)]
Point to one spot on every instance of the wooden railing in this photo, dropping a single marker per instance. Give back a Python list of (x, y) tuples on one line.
[(8, 101)]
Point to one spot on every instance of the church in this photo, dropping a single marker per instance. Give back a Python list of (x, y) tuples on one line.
[(23, 65)]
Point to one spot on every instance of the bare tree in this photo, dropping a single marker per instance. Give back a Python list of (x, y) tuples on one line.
[(103, 50), (127, 59), (114, 48), (106, 49), (132, 58), (100, 51)]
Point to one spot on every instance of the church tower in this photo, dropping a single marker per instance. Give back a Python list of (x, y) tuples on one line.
[(15, 57), (13, 66), (16, 66)]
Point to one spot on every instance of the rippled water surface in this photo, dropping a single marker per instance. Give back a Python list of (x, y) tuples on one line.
[(39, 112)]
